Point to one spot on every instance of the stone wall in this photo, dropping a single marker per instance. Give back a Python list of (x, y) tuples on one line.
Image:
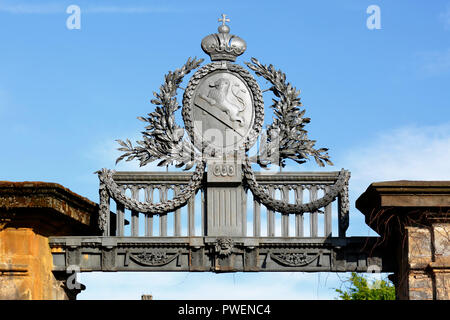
[(26, 267), (426, 267), (413, 219), (30, 212)]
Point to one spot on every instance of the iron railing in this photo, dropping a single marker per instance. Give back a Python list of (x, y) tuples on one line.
[(291, 187)]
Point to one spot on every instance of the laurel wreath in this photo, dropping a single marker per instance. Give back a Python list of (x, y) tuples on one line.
[(163, 138), (288, 124)]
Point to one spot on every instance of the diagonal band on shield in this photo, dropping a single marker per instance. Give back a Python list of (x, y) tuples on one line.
[(219, 115)]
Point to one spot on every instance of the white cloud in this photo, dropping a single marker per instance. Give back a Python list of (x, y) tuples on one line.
[(105, 153), (408, 153), (444, 17), (432, 63), (3, 100), (209, 286)]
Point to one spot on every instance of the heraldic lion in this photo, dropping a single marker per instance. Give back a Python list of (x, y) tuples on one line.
[(219, 96)]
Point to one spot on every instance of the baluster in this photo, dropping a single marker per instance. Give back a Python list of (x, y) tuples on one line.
[(191, 216), (299, 216), (222, 205), (244, 212), (285, 217), (149, 217), (228, 200), (163, 216), (271, 217), (177, 217), (256, 218), (328, 216), (120, 219), (203, 210), (313, 216), (134, 214), (216, 209)]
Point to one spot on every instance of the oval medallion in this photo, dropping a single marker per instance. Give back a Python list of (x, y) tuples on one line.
[(220, 109)]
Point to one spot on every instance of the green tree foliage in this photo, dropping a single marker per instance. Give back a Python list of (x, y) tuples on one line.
[(358, 288)]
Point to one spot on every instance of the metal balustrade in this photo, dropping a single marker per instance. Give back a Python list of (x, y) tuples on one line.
[(291, 187)]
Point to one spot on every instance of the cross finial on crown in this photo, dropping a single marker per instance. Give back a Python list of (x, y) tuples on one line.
[(223, 45), (224, 19)]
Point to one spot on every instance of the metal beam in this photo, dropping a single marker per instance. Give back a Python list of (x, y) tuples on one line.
[(220, 254)]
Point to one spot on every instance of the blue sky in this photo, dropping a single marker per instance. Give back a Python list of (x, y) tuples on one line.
[(378, 99)]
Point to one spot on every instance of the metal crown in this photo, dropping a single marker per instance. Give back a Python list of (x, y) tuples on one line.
[(223, 45)]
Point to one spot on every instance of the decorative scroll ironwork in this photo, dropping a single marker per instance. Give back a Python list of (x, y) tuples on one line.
[(153, 258), (293, 259)]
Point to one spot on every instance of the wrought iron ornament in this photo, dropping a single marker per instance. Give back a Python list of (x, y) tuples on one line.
[(153, 258), (291, 259), (223, 113)]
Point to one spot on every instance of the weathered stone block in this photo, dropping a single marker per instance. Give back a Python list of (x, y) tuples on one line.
[(441, 234), (26, 266), (30, 212), (419, 247), (442, 285), (422, 209), (420, 286)]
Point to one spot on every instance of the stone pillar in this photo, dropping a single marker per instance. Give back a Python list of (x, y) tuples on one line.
[(31, 212), (413, 220)]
